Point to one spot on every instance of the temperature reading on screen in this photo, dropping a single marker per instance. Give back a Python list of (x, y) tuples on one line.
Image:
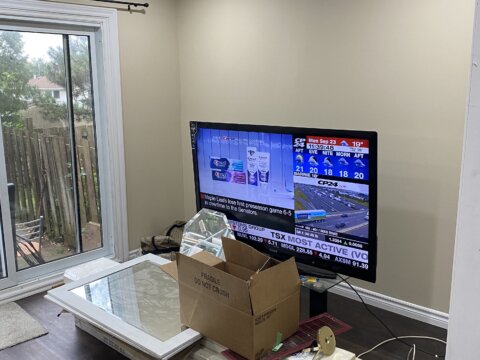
[(342, 157)]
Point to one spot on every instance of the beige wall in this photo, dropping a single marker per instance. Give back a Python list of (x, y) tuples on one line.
[(150, 92), (151, 108), (397, 67)]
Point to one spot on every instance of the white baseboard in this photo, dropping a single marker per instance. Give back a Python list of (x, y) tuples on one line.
[(30, 288), (134, 253), (401, 307)]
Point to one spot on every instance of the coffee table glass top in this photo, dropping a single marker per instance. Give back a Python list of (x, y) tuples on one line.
[(142, 295)]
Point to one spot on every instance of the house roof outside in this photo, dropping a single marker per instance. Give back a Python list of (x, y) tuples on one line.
[(42, 83)]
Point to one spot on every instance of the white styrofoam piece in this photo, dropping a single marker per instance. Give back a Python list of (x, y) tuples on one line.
[(339, 354)]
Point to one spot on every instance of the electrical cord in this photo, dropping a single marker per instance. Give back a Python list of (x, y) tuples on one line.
[(410, 352), (328, 288), (394, 337), (338, 282), (412, 347)]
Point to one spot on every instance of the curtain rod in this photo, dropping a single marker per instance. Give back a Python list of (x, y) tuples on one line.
[(130, 4)]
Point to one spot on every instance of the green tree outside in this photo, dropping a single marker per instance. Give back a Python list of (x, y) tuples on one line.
[(14, 75), (16, 70)]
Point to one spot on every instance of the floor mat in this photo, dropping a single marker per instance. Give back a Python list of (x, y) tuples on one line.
[(17, 326)]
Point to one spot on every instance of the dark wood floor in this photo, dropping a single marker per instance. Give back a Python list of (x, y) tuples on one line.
[(367, 331), (64, 341)]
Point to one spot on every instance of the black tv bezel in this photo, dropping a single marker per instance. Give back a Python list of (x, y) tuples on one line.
[(367, 275)]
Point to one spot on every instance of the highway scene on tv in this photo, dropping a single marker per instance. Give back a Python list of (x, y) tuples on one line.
[(330, 206)]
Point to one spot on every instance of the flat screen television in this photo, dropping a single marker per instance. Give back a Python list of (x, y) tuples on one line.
[(290, 191)]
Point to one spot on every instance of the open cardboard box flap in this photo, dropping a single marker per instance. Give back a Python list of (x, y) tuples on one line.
[(204, 256), (277, 282), (269, 279), (237, 252)]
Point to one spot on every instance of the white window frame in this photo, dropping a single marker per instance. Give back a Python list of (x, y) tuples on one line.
[(114, 325), (102, 24)]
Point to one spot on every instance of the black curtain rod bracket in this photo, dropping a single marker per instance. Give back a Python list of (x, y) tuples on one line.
[(128, 3)]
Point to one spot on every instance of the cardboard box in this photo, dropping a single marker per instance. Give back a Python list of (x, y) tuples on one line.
[(243, 302)]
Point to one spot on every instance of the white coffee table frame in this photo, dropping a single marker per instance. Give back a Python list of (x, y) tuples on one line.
[(112, 325)]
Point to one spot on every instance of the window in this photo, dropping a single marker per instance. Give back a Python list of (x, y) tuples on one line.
[(61, 151), (50, 147)]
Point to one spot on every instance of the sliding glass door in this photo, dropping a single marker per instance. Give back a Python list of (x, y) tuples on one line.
[(62, 169), (49, 133), (48, 128)]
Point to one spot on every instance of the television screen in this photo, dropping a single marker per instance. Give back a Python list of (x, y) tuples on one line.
[(307, 193)]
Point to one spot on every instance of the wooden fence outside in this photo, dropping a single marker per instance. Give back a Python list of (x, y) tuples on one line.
[(39, 163)]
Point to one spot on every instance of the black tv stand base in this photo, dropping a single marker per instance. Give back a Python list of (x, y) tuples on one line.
[(312, 302), (309, 270)]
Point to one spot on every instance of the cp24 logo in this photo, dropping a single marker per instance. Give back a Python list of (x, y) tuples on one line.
[(299, 143), (328, 183)]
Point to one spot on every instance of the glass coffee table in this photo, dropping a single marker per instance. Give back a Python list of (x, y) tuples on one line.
[(135, 302)]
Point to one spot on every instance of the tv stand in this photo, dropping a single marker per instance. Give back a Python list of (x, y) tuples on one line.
[(312, 302), (313, 298), (309, 270)]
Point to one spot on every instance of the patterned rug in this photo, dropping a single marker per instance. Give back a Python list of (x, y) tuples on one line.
[(16, 326)]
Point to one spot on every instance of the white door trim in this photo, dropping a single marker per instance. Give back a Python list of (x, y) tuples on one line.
[(465, 294), (103, 22), (6, 223)]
